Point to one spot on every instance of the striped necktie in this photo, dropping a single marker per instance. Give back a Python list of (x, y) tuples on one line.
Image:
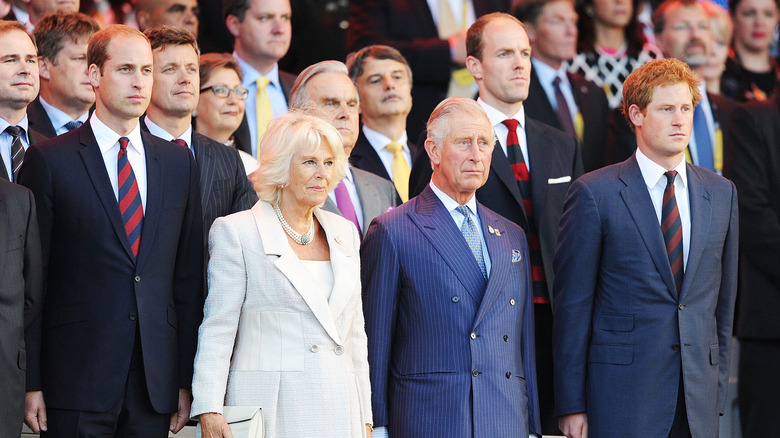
[(129, 198), (671, 227), (17, 150)]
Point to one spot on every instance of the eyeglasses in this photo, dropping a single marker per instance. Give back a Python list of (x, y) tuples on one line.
[(224, 91)]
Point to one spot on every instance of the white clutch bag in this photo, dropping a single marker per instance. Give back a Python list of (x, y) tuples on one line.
[(244, 421)]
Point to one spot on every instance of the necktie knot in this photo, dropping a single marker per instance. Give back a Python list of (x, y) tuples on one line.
[(557, 81), (394, 147), (13, 130), (262, 82), (180, 142), (73, 124), (670, 176), (511, 124), (123, 142), (464, 210)]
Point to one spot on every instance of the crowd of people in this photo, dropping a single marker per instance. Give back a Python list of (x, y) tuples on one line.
[(404, 218)]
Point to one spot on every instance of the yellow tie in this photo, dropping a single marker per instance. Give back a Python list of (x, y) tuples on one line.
[(400, 170), (461, 81), (264, 113)]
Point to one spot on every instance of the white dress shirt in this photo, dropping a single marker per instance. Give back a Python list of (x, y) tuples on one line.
[(655, 180), (59, 118), (108, 142), (275, 95), (379, 141), (349, 182), (6, 141), (158, 131), (497, 118)]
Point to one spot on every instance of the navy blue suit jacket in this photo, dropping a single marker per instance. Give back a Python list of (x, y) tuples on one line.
[(442, 360), (98, 296), (620, 332)]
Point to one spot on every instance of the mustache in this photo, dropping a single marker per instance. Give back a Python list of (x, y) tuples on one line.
[(695, 42), (390, 96)]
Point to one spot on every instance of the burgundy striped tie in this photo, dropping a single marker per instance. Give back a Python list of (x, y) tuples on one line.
[(671, 226), (129, 198)]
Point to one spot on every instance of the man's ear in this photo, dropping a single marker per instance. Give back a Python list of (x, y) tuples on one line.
[(93, 72), (474, 66), (43, 68), (232, 23), (635, 115), (433, 150)]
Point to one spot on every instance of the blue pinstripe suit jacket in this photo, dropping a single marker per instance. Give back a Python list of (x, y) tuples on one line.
[(443, 363)]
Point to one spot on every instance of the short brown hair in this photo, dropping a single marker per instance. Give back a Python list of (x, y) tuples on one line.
[(97, 51), (161, 37), (236, 8), (475, 43), (640, 85), (54, 29), (356, 61), (211, 62), (11, 25)]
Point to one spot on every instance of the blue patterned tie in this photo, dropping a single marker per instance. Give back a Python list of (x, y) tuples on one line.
[(471, 234), (73, 124), (703, 140)]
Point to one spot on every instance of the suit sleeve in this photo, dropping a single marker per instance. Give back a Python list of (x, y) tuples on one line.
[(244, 195), (217, 334), (381, 283), (188, 278), (750, 167), (576, 264), (727, 295), (360, 348), (35, 174), (33, 271)]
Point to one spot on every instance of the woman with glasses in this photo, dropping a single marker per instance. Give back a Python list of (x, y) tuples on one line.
[(222, 102)]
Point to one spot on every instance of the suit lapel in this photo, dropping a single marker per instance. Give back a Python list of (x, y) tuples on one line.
[(499, 165), (368, 202), (96, 169), (3, 172), (500, 259), (436, 223), (640, 206), (701, 212), (155, 183), (346, 270), (540, 165), (365, 157), (204, 156), (275, 243)]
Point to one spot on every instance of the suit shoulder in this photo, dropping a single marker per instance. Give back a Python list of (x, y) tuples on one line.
[(62, 143), (14, 193), (374, 180), (558, 138)]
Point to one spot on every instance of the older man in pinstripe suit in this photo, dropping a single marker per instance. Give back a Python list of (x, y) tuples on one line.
[(224, 187), (447, 299)]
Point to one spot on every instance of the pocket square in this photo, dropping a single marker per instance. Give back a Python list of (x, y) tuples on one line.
[(516, 256), (561, 180)]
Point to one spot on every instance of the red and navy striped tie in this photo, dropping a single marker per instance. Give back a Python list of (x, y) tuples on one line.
[(129, 198), (671, 226)]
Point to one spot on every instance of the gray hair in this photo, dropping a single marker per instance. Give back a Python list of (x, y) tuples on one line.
[(291, 133), (299, 95), (439, 123)]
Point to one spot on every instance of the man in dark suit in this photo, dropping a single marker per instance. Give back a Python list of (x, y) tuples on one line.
[(447, 299), (262, 33), (384, 83), (563, 100), (122, 238), (326, 90), (690, 45), (532, 167), (645, 279), (754, 166), (433, 44), (20, 297), (66, 94)]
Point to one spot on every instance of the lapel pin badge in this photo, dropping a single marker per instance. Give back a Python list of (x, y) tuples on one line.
[(491, 230)]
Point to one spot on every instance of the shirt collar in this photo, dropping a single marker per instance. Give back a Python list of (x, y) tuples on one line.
[(58, 117), (156, 130), (251, 75), (106, 137), (379, 140), (547, 74), (653, 173), (451, 204), (22, 124), (496, 117)]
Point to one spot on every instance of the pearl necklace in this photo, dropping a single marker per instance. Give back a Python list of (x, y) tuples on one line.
[(300, 239)]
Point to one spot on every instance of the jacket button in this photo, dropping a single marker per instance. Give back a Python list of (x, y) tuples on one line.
[(455, 299), (512, 302), (475, 373), (506, 338), (473, 336), (132, 317), (681, 306), (137, 278), (676, 347), (508, 374), (314, 348), (338, 350)]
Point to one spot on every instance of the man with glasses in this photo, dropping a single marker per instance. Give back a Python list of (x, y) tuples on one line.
[(224, 187)]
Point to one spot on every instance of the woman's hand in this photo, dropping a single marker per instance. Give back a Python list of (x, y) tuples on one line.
[(214, 426)]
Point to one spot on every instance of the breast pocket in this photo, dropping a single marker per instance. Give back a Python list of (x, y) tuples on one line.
[(269, 341)]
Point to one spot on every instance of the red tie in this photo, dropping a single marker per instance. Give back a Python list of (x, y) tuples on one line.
[(129, 198), (180, 142), (671, 226)]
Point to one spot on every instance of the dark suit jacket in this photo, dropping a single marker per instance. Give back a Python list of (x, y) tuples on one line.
[(555, 161), (620, 331), (33, 137), (39, 120), (592, 103), (754, 166), (444, 359), (99, 296), (621, 140), (21, 292), (408, 26), (242, 140), (376, 196), (365, 157)]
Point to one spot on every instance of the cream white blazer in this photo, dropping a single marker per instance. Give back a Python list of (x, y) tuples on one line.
[(299, 356)]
